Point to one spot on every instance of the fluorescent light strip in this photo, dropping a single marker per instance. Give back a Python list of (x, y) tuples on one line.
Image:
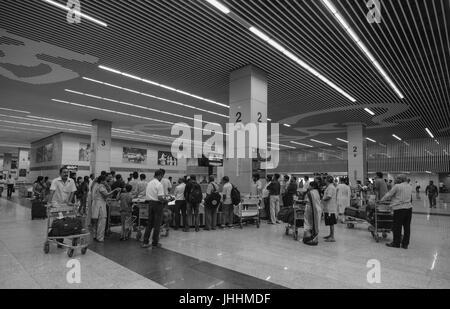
[(428, 172), (219, 6), (160, 85), (316, 141), (287, 125), (282, 145), (41, 126), (429, 132), (25, 129), (369, 111), (62, 121), (77, 13), (126, 114), (361, 45), (342, 140), (155, 97), (268, 119), (300, 144), (303, 64), (129, 104), (371, 140), (395, 136), (14, 110)]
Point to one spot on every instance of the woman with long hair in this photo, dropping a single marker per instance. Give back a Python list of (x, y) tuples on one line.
[(313, 213)]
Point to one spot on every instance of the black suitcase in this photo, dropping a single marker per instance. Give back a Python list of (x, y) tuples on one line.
[(38, 210)]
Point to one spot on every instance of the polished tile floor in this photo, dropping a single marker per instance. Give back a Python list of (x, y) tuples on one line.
[(251, 257)]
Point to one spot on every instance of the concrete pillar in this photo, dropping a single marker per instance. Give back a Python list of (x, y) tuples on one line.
[(100, 158), (23, 164), (357, 153), (248, 104), (7, 159)]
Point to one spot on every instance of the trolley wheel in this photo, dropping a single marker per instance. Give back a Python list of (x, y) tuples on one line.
[(138, 235), (385, 235), (70, 252), (84, 250), (287, 230), (46, 248)]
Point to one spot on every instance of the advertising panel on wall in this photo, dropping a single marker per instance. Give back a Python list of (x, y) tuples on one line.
[(44, 153), (84, 152), (134, 155), (166, 158)]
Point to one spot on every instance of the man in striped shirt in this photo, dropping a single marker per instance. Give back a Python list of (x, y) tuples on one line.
[(401, 202)]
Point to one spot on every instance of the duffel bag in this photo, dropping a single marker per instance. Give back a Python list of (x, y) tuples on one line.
[(66, 227)]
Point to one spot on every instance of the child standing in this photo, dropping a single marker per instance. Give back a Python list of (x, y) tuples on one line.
[(126, 202), (329, 201)]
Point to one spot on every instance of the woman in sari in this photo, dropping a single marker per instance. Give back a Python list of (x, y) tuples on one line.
[(99, 213), (313, 213)]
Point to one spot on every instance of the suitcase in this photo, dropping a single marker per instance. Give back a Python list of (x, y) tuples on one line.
[(38, 210), (355, 213)]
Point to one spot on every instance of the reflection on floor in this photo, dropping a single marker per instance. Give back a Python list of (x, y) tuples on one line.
[(264, 257)]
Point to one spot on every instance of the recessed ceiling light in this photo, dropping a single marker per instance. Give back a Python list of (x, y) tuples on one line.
[(371, 140), (429, 132), (66, 8), (162, 86), (369, 111), (316, 141), (342, 140), (303, 64), (219, 6), (306, 145), (361, 45), (395, 136), (157, 98)]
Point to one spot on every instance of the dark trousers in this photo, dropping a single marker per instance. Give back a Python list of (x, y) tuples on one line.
[(228, 214), (402, 219), (10, 190), (267, 207), (193, 209), (432, 199), (178, 211), (210, 217), (155, 212)]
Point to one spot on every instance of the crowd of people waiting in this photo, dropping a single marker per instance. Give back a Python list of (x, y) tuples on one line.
[(325, 197)]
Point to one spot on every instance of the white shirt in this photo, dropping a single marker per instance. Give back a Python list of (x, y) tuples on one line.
[(179, 192), (227, 193), (154, 189), (62, 190), (330, 206), (166, 185)]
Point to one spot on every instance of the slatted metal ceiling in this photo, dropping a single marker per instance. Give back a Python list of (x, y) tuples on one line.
[(190, 45)]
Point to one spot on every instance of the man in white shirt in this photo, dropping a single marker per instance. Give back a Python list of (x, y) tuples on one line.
[(330, 207), (10, 183), (156, 197), (228, 208), (167, 185), (180, 204), (62, 189)]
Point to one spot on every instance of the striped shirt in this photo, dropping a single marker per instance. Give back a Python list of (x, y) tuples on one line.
[(400, 195)]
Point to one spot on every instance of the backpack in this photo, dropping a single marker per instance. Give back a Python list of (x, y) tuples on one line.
[(196, 195), (214, 198), (235, 196)]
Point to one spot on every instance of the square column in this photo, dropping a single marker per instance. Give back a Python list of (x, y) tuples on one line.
[(7, 160), (100, 158), (357, 153), (248, 104)]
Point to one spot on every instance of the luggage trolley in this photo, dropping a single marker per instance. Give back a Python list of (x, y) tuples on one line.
[(248, 210), (299, 218), (80, 241), (114, 212), (381, 219), (140, 210)]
